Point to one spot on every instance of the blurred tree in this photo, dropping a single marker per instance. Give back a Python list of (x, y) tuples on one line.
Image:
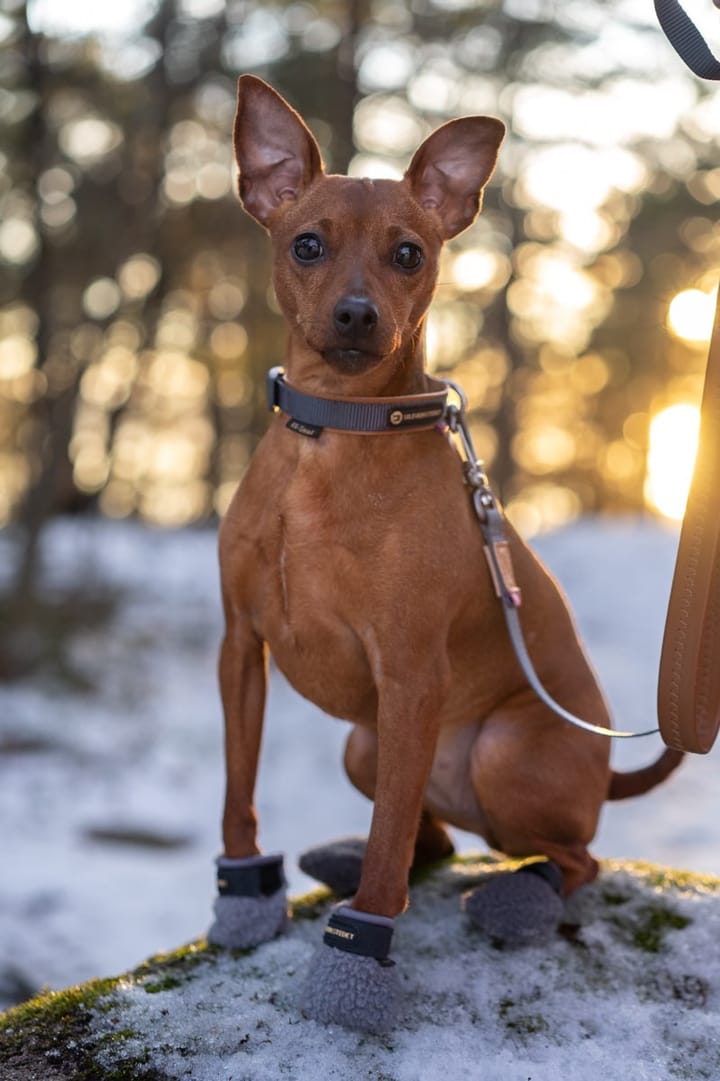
[(134, 320)]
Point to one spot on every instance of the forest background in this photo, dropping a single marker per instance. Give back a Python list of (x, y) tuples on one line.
[(136, 322)]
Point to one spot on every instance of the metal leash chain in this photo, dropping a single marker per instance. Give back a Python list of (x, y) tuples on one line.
[(497, 551)]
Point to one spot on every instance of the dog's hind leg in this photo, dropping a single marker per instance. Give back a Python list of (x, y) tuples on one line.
[(432, 841), (338, 863), (525, 769)]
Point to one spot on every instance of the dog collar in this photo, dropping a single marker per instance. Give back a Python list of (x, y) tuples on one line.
[(310, 415)]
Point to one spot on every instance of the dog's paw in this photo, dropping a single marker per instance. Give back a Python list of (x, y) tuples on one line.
[(356, 992), (243, 922), (351, 981), (518, 909), (337, 864), (252, 904)]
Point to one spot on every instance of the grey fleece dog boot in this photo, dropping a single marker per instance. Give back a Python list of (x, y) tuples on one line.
[(251, 906), (520, 908), (336, 864), (351, 981)]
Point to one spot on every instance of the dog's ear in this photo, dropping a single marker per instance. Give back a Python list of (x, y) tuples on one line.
[(451, 168), (275, 151)]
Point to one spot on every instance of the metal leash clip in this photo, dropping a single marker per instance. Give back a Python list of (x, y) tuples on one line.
[(473, 467), (489, 514)]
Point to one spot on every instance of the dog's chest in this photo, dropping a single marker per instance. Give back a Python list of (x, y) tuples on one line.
[(352, 567), (316, 600), (341, 563)]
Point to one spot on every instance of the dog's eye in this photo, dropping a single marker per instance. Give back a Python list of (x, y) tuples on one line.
[(408, 256), (307, 248)]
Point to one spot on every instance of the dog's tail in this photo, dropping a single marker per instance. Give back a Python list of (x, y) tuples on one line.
[(625, 785)]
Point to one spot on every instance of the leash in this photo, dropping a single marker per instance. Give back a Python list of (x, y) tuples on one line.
[(686, 39), (689, 676), (497, 550), (310, 415)]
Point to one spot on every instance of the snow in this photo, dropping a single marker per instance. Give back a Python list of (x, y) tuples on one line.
[(110, 799), (599, 1003)]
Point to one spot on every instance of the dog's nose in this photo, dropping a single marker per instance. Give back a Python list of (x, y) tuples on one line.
[(355, 317)]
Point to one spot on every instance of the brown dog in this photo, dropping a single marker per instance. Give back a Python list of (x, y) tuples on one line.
[(357, 559)]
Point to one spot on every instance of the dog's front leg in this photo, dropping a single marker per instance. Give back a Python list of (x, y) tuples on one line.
[(251, 906), (352, 981), (243, 679), (407, 737)]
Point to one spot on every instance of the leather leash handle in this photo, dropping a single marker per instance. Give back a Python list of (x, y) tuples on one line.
[(689, 677)]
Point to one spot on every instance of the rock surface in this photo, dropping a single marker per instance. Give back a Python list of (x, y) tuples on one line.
[(628, 988)]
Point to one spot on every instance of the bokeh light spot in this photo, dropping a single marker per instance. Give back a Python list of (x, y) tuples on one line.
[(229, 340), (478, 268), (17, 356), (18, 240), (690, 315), (673, 442), (89, 139), (138, 276), (101, 298)]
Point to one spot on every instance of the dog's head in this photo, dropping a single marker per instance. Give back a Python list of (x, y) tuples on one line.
[(355, 260)]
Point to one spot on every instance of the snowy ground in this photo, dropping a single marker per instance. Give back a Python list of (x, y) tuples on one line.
[(629, 990), (110, 800)]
